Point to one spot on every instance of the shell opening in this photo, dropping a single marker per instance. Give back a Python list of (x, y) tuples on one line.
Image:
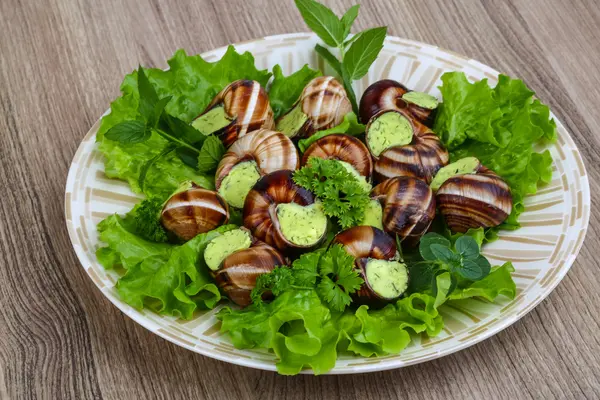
[(388, 130), (238, 182)]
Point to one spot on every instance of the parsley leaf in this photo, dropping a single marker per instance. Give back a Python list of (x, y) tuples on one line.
[(146, 220), (341, 194), (276, 282), (339, 278), (305, 268)]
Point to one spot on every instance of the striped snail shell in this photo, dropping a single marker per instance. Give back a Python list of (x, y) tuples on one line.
[(408, 207), (365, 244), (246, 104), (261, 208), (193, 211), (324, 103), (239, 271), (343, 148), (388, 94), (270, 150), (421, 158), (480, 199)]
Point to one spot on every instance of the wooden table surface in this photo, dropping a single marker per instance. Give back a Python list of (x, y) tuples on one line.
[(61, 63)]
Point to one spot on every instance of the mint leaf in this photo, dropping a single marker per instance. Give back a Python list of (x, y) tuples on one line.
[(285, 90), (322, 21), (467, 247), (475, 270), (443, 253), (157, 112), (348, 18), (128, 132), (148, 96), (427, 241), (211, 153), (330, 58), (188, 156), (181, 129), (363, 52)]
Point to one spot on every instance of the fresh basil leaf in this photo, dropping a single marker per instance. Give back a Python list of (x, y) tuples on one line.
[(322, 21), (285, 90), (128, 132), (475, 270), (330, 58), (363, 52), (159, 107), (189, 157), (351, 40), (428, 240), (146, 166), (348, 18), (467, 247), (148, 96), (443, 253), (211, 153)]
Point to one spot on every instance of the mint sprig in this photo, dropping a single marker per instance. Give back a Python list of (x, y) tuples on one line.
[(357, 53)]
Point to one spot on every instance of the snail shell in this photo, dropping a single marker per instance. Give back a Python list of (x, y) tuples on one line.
[(420, 159), (194, 211), (343, 148), (247, 104), (366, 243), (482, 199), (387, 94), (271, 150), (325, 102), (408, 207), (260, 207), (239, 271)]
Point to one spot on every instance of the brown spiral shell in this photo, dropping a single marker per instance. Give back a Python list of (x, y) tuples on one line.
[(194, 211), (239, 271), (408, 207), (482, 199), (260, 207), (387, 94), (325, 101), (271, 150), (344, 148), (420, 159), (247, 104)]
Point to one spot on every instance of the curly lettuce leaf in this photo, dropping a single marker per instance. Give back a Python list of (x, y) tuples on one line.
[(304, 333), (501, 127), (169, 279), (498, 282), (192, 83), (285, 90), (349, 126)]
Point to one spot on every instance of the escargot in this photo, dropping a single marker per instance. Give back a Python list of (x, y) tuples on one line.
[(258, 153), (470, 195), (376, 258), (408, 207), (283, 214), (241, 107), (322, 105), (344, 148), (388, 94), (192, 210), (238, 272), (402, 146)]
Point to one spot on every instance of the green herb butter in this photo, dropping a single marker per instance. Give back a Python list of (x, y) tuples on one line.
[(240, 180), (361, 179), (421, 99), (223, 246), (212, 121), (466, 165), (302, 225), (388, 130), (373, 215), (389, 279), (290, 123)]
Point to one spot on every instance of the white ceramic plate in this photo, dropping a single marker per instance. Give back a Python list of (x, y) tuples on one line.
[(542, 251)]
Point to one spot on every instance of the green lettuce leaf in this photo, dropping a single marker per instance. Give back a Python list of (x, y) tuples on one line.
[(169, 279), (285, 90), (349, 126), (192, 83), (500, 126), (498, 282)]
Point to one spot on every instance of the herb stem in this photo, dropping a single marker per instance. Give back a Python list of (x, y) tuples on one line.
[(174, 139)]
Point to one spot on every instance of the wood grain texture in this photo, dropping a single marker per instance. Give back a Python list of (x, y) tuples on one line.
[(61, 62)]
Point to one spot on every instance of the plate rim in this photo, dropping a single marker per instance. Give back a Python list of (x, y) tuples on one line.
[(503, 324)]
